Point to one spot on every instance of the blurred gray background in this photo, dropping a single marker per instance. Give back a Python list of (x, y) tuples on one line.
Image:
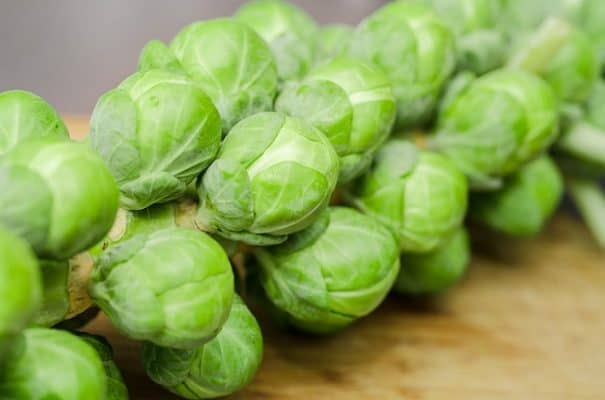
[(71, 51)]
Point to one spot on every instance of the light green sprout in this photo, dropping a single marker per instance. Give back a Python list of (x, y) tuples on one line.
[(227, 59), (58, 195), (420, 196), (24, 115), (289, 31), (157, 132), (415, 48), (52, 364), (496, 124), (218, 368), (351, 102), (172, 287), (274, 174), (20, 288), (435, 271), (525, 202), (331, 274)]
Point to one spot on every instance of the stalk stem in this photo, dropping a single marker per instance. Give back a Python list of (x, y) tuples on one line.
[(590, 200)]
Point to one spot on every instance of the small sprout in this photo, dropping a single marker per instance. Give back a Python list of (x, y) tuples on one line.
[(289, 31), (351, 102), (20, 288), (24, 115), (335, 272), (218, 368), (52, 364), (420, 196), (58, 195), (172, 287), (497, 124), (415, 48), (157, 132), (273, 176), (525, 202), (435, 271), (227, 60)]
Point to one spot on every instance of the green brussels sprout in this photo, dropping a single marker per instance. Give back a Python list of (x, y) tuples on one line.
[(289, 31), (227, 59), (480, 46), (218, 368), (437, 270), (116, 389), (331, 274), (172, 287), (563, 56), (415, 48), (590, 19), (525, 202), (52, 364), (352, 103), (498, 123), (157, 132), (24, 115), (20, 288), (421, 196), (58, 195), (332, 41), (274, 174)]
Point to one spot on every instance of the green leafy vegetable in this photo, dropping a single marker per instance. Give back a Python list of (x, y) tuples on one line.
[(335, 272), (172, 287), (218, 368), (273, 175)]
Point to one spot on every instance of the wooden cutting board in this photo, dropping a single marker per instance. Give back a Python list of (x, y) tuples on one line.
[(527, 322)]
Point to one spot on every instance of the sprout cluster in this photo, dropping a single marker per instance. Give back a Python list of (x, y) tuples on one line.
[(305, 170)]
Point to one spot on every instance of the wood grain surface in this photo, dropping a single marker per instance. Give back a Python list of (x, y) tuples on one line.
[(527, 322)]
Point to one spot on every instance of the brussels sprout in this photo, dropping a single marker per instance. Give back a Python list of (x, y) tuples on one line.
[(172, 287), (52, 364), (352, 103), (116, 389), (227, 59), (415, 48), (563, 56), (218, 368), (421, 197), (65, 289), (338, 270), (437, 270), (289, 31), (20, 287), (24, 115), (58, 195), (526, 201), (497, 124), (332, 41), (521, 16), (157, 132), (273, 175), (480, 47), (590, 18)]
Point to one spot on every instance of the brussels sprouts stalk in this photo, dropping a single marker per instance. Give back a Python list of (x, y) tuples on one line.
[(80, 269), (590, 200), (542, 46), (585, 141)]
